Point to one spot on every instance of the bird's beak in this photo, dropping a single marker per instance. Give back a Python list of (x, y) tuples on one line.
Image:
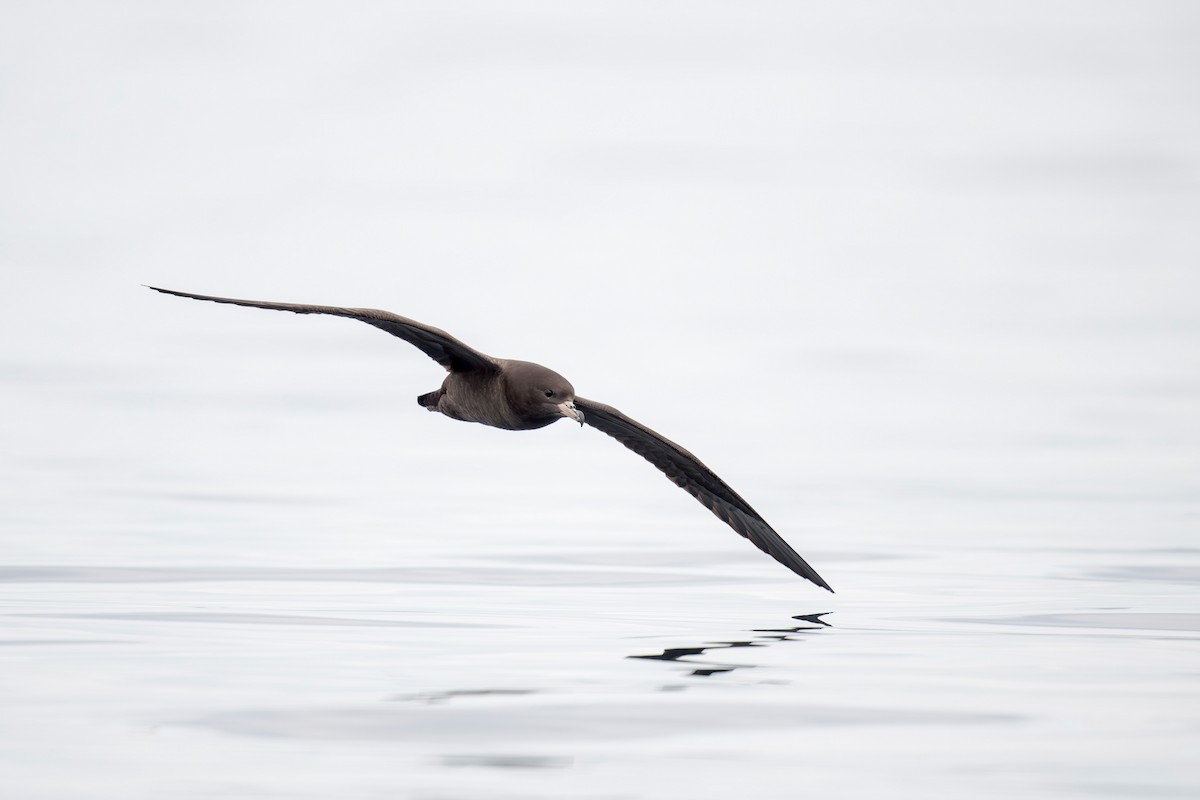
[(569, 410)]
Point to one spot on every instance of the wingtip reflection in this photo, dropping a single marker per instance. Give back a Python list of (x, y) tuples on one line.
[(767, 637)]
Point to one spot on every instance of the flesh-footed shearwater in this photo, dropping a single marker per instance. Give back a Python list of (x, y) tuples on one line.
[(519, 396)]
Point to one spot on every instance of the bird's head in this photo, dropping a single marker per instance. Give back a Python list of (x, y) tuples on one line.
[(540, 394)]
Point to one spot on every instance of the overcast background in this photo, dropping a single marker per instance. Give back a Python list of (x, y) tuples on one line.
[(918, 279)]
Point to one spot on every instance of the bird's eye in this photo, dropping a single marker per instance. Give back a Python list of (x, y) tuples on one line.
[(549, 393)]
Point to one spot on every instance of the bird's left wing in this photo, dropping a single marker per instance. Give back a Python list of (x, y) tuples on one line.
[(433, 342), (687, 472)]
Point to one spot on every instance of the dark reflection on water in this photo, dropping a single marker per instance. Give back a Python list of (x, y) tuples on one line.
[(770, 636)]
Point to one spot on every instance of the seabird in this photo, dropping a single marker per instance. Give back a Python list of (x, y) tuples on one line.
[(520, 396)]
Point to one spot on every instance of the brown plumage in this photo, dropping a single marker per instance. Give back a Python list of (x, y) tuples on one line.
[(520, 395)]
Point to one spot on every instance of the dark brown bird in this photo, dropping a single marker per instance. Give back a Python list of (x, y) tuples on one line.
[(519, 395)]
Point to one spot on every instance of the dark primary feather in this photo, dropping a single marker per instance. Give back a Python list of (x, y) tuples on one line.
[(687, 472), (437, 344)]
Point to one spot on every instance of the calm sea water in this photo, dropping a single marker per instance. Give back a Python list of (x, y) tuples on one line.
[(918, 282)]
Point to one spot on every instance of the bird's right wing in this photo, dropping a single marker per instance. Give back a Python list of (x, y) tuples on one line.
[(437, 344), (687, 472)]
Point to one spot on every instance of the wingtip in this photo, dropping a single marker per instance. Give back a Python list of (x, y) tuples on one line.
[(187, 295), (807, 572), (819, 581)]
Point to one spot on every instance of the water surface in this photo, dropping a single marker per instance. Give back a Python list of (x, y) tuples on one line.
[(918, 281)]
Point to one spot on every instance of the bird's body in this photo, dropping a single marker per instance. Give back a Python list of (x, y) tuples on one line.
[(483, 398), (521, 395), (499, 398)]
